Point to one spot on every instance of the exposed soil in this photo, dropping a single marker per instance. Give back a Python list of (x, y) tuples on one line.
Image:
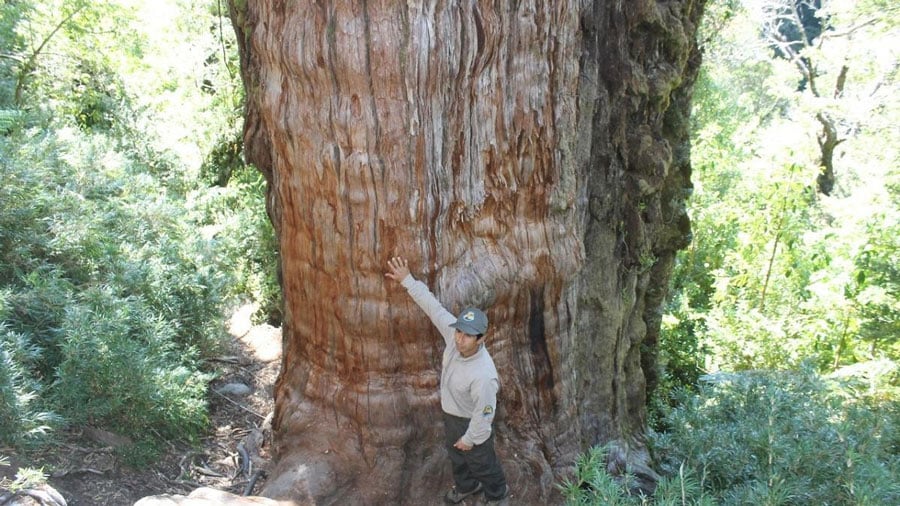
[(87, 472)]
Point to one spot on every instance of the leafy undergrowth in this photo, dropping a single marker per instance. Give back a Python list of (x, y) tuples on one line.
[(91, 467), (768, 437)]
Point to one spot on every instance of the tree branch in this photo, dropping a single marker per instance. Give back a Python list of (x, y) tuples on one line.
[(222, 41), (12, 56), (849, 31), (29, 65), (841, 80)]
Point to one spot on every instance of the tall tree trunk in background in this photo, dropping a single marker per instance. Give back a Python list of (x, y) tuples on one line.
[(529, 157)]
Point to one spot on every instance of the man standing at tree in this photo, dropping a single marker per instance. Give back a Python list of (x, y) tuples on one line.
[(469, 385)]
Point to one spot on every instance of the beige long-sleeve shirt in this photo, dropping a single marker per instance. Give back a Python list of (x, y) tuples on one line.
[(469, 385)]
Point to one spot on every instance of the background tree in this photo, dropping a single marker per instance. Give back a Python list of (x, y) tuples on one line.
[(818, 40), (529, 158), (778, 273)]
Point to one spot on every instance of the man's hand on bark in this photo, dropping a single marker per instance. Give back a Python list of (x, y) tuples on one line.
[(398, 269)]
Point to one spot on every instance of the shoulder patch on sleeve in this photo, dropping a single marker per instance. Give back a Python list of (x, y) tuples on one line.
[(487, 411)]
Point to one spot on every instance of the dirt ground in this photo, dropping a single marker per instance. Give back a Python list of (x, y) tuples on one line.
[(84, 467)]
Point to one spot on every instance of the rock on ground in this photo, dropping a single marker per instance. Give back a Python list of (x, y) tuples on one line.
[(43, 495), (211, 497)]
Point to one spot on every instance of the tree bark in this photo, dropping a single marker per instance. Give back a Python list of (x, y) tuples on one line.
[(829, 140), (528, 157)]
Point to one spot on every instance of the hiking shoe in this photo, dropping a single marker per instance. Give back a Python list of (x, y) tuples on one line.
[(503, 501), (455, 496)]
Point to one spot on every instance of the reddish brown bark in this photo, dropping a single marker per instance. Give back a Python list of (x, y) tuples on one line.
[(527, 157)]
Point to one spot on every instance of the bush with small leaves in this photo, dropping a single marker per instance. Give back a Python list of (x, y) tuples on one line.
[(783, 437), (775, 438)]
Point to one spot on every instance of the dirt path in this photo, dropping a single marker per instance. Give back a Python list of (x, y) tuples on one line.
[(86, 471)]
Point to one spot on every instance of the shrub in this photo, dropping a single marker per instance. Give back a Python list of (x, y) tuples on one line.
[(124, 369), (112, 300), (21, 419), (783, 438), (765, 438), (592, 484), (234, 219)]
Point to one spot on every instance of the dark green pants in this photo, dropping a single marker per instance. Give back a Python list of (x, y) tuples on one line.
[(478, 465)]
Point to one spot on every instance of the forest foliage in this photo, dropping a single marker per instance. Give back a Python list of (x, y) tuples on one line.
[(129, 227), (126, 231)]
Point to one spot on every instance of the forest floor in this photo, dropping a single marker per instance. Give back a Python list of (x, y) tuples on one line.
[(85, 469)]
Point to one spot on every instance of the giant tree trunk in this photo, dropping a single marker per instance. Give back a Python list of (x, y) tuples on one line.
[(530, 157)]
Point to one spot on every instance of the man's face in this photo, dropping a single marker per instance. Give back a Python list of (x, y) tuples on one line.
[(466, 344)]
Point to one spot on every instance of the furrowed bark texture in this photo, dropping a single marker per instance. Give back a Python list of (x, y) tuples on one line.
[(528, 157)]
